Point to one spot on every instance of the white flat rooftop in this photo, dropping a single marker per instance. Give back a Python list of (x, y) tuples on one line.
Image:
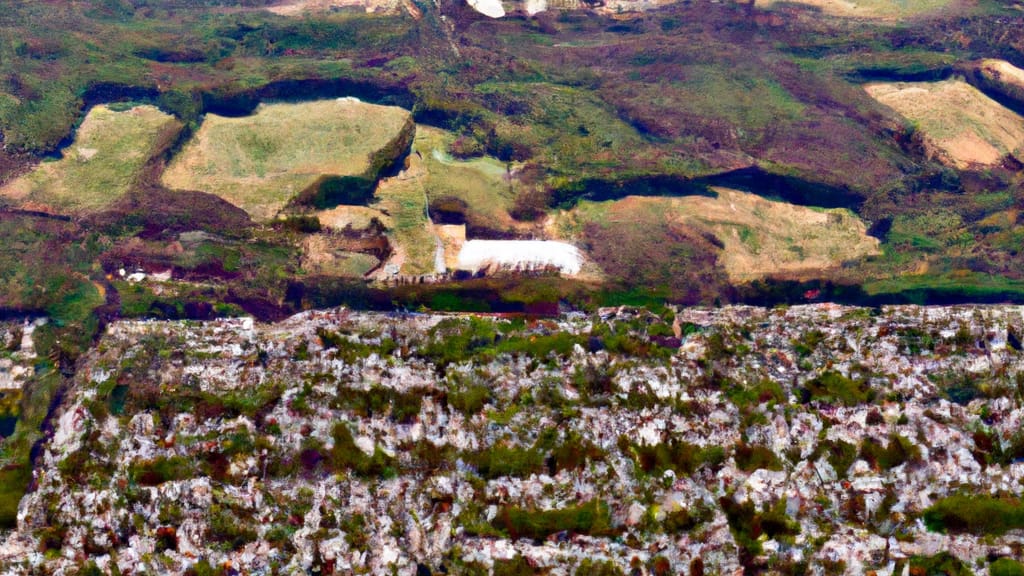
[(479, 255)]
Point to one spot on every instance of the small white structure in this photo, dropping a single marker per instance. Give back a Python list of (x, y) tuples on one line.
[(493, 255), (489, 8)]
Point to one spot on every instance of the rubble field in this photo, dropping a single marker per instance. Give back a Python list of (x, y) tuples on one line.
[(814, 439)]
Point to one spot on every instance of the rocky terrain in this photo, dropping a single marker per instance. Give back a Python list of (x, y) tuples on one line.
[(811, 439)]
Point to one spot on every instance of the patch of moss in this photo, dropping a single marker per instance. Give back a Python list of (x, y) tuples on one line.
[(1006, 567), (982, 515), (680, 457), (833, 387), (591, 518)]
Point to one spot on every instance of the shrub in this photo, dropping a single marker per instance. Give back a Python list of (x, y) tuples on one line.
[(402, 407), (501, 460), (469, 398), (832, 386), (750, 458), (345, 455), (159, 470), (591, 518), (942, 563), (898, 451), (680, 457), (594, 568), (975, 515), (747, 525), (1006, 567)]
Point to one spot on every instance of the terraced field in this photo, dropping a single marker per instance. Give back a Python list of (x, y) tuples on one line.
[(963, 127), (262, 162), (109, 151)]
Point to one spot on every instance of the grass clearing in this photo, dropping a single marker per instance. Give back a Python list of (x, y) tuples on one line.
[(964, 127), (761, 237), (403, 198), (261, 162), (483, 183), (104, 161)]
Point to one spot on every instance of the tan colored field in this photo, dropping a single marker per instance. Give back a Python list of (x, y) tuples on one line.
[(762, 237), (961, 125), (322, 255), (106, 158), (354, 217), (884, 10), (1003, 71), (300, 7), (260, 162)]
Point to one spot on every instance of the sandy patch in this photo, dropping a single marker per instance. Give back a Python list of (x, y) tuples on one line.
[(961, 125), (453, 236), (354, 217)]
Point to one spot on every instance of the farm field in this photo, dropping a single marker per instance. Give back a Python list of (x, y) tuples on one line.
[(262, 162), (880, 10), (102, 163), (759, 237)]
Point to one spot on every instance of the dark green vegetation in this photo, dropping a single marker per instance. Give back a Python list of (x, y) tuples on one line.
[(595, 108), (975, 515), (1006, 567), (592, 518)]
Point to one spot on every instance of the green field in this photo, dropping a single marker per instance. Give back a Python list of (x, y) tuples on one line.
[(101, 165), (262, 162)]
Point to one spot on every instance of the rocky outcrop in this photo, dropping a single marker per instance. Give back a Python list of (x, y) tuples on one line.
[(812, 437)]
